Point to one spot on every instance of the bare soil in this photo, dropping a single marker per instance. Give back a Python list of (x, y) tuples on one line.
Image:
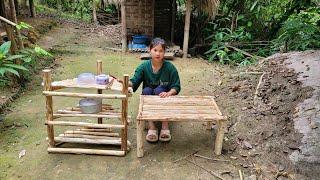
[(259, 138)]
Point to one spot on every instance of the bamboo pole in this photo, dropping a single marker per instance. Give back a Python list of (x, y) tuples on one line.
[(7, 21), (84, 95), (55, 115), (95, 130), (123, 26), (180, 118), (140, 139), (86, 151), (186, 29), (9, 29), (83, 124), (124, 112), (99, 71), (14, 19), (88, 141), (84, 136), (49, 114), (93, 133), (219, 137)]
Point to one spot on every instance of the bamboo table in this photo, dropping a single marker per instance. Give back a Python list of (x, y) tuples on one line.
[(180, 109)]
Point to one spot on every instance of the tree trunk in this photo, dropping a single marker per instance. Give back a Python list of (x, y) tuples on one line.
[(173, 19), (186, 29), (16, 3), (8, 28), (123, 26), (94, 12), (102, 4), (24, 3), (32, 8), (14, 19)]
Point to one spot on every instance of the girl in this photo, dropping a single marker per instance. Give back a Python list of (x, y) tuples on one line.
[(159, 77)]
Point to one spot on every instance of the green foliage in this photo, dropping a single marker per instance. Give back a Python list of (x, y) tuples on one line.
[(19, 63), (7, 64), (23, 25), (221, 49), (301, 31)]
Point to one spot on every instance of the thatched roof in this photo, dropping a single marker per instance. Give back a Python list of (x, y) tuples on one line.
[(208, 6)]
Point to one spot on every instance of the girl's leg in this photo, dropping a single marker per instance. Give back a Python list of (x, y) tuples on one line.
[(160, 89), (165, 124), (149, 91)]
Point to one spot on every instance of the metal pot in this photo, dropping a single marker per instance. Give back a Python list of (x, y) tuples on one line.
[(90, 105)]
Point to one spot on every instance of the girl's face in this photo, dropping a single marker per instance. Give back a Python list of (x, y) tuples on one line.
[(157, 53)]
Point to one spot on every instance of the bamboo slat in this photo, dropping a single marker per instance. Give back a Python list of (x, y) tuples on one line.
[(83, 124), (86, 151), (115, 141), (84, 136), (55, 116), (83, 95), (95, 130), (165, 107), (216, 106), (103, 112), (93, 133), (179, 111), (181, 118)]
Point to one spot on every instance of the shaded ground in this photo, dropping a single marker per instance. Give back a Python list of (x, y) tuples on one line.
[(260, 136)]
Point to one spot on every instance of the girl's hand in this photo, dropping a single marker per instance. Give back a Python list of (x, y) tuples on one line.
[(165, 94)]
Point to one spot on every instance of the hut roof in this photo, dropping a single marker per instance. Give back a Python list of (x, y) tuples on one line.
[(208, 6)]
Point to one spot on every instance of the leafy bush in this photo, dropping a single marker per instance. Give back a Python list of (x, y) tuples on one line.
[(222, 50), (18, 64), (301, 31)]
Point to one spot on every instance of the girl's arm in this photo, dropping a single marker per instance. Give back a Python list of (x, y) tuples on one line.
[(172, 92)]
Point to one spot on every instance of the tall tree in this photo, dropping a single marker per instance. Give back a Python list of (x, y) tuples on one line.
[(32, 8), (14, 19), (8, 28)]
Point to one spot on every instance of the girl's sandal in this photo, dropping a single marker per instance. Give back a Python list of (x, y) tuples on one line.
[(165, 135), (152, 135)]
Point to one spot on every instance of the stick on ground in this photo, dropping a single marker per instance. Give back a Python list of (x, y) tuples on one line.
[(209, 171)]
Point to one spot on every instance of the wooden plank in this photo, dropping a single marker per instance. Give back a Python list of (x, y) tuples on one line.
[(86, 151), (99, 71), (140, 138), (179, 103), (83, 95), (178, 97), (95, 130), (84, 124)]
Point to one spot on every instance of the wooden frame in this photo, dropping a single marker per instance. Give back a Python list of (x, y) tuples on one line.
[(180, 109), (89, 133)]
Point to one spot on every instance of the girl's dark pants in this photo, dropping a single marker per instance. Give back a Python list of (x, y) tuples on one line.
[(155, 91)]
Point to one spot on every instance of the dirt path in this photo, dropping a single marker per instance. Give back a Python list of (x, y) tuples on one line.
[(248, 144)]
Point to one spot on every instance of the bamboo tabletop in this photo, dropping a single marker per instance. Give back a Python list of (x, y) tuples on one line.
[(179, 108)]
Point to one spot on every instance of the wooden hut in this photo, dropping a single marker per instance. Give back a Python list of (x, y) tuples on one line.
[(156, 18)]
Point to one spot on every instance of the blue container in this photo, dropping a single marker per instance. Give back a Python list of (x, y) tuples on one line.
[(139, 46), (139, 39)]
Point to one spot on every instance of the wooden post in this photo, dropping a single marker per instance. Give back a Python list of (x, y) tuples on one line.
[(173, 19), (209, 125), (219, 136), (186, 29), (32, 8), (14, 19), (49, 113), (9, 29), (124, 113), (123, 26), (140, 139), (94, 12), (99, 71)]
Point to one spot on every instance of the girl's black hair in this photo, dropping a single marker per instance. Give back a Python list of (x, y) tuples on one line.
[(158, 41)]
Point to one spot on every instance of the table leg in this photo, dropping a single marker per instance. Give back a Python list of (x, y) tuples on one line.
[(140, 139), (219, 137)]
